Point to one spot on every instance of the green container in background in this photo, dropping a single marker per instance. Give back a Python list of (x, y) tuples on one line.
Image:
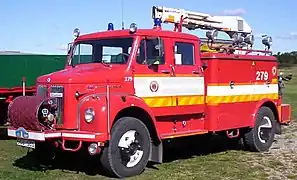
[(14, 67)]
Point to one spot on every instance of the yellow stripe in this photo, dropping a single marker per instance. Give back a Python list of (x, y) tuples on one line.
[(239, 98), (199, 100), (171, 101), (159, 101), (190, 100)]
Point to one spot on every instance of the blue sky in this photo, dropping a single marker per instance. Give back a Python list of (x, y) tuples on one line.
[(42, 26)]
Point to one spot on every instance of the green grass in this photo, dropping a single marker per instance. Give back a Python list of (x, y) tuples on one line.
[(227, 164)]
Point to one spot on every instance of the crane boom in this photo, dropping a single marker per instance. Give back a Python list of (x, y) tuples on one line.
[(196, 20)]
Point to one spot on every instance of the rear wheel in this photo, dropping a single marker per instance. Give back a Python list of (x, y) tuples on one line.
[(261, 137), (128, 151)]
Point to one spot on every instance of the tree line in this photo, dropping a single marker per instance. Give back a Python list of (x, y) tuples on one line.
[(286, 59)]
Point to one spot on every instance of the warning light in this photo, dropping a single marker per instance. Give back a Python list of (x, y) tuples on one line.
[(157, 23), (133, 28), (110, 27), (76, 32)]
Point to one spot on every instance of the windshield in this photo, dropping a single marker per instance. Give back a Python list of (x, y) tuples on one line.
[(109, 51)]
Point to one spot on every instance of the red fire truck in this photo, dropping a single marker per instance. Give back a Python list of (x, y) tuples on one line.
[(123, 92)]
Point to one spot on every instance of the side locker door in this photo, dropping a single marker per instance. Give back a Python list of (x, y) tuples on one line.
[(152, 76), (188, 78)]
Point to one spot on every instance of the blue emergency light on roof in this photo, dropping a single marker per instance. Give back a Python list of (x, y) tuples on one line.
[(157, 22), (110, 27)]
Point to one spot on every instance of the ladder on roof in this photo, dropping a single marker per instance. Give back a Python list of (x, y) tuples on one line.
[(239, 31), (196, 20)]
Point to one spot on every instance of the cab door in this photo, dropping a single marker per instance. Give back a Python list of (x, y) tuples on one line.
[(153, 75), (187, 76)]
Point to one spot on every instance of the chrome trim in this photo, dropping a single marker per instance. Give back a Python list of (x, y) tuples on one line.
[(59, 100), (108, 108), (84, 99)]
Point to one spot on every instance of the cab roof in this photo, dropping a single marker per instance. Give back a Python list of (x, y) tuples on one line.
[(140, 32)]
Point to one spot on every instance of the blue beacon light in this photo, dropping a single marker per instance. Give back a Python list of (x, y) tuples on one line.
[(157, 23), (110, 27)]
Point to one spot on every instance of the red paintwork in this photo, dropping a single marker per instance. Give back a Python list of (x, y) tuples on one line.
[(286, 113), (94, 78), (222, 69)]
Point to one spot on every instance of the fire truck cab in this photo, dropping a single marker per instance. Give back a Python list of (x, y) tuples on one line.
[(123, 92)]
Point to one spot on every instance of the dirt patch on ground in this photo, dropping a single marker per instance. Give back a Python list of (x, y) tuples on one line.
[(280, 162)]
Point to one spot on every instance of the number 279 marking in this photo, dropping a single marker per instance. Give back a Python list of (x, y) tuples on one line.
[(261, 75)]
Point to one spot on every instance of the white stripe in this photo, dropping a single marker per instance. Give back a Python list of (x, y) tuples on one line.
[(241, 90), (52, 135), (42, 136), (32, 135), (169, 86), (85, 136)]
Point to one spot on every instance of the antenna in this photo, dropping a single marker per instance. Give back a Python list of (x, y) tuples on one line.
[(122, 6)]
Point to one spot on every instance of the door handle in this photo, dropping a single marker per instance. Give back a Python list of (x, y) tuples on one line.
[(267, 82), (165, 71), (232, 84), (173, 70)]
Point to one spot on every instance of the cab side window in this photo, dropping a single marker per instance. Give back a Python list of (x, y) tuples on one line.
[(151, 51), (184, 53)]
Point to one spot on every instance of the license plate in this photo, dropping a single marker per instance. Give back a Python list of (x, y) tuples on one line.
[(26, 143), (56, 95)]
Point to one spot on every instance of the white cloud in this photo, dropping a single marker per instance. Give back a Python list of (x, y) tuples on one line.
[(290, 36), (63, 47), (258, 35), (234, 12)]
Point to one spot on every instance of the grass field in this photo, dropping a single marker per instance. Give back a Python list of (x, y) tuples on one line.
[(215, 162)]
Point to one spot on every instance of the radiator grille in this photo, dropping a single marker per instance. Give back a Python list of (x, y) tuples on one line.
[(42, 91), (58, 93)]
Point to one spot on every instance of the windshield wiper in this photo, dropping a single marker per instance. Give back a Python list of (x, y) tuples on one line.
[(105, 64)]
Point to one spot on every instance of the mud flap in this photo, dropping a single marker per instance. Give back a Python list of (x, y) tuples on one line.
[(156, 153), (278, 128)]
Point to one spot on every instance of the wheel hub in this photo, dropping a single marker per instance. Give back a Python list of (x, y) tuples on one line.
[(264, 130), (131, 149)]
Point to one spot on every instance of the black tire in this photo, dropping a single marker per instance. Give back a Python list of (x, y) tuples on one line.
[(253, 140), (111, 157)]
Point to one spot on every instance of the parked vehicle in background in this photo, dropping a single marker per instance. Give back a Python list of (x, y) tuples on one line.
[(19, 72)]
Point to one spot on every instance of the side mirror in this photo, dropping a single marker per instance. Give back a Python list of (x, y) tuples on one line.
[(69, 47)]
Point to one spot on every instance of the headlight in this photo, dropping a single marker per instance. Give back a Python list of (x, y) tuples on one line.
[(89, 115)]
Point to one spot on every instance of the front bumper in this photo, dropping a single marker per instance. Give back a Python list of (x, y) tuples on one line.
[(22, 133)]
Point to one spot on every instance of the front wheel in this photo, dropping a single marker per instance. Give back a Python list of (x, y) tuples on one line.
[(129, 147), (261, 137)]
